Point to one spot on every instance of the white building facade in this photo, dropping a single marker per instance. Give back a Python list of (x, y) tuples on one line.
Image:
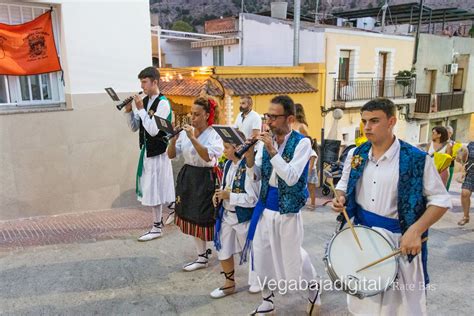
[(60, 131)]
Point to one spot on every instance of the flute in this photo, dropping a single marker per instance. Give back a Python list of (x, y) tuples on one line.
[(184, 121), (242, 150), (126, 102)]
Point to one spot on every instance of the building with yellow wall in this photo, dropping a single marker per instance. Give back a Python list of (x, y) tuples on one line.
[(304, 84)]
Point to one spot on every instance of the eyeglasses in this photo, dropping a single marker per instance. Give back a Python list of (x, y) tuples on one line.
[(272, 117)]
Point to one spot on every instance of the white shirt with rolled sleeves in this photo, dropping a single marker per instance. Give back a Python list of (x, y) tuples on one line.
[(377, 192), (156, 169), (377, 188), (246, 125), (290, 172), (277, 245)]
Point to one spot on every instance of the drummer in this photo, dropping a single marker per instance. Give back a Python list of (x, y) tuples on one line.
[(393, 187)]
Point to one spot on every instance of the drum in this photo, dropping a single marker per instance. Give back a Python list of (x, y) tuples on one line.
[(343, 258)]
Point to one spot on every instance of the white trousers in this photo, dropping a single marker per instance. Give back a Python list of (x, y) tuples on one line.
[(277, 250), (233, 236), (406, 297)]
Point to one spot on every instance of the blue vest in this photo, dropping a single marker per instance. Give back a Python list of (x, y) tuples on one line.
[(290, 198), (411, 204), (238, 186), (244, 214)]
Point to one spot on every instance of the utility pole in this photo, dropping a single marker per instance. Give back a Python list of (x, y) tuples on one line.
[(316, 21), (296, 25)]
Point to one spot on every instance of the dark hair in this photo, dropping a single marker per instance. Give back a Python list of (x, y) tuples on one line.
[(383, 104), (300, 115), (149, 72), (204, 103), (248, 98), (286, 102), (443, 131)]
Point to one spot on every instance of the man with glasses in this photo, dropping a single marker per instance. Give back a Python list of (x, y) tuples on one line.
[(276, 229), (248, 121)]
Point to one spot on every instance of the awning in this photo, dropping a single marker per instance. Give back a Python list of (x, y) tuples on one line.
[(215, 42)]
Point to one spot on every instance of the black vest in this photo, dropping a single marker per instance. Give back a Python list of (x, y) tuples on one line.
[(155, 145)]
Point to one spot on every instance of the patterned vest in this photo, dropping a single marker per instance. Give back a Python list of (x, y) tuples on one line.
[(290, 198), (244, 214), (411, 204), (155, 145)]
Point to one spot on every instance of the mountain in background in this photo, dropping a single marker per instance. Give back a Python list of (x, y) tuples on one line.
[(196, 12)]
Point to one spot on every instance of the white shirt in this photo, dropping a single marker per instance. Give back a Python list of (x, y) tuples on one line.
[(290, 172), (246, 125), (248, 199), (209, 139), (442, 150), (133, 118), (377, 189)]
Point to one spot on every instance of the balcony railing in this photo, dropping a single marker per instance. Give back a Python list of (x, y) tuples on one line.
[(427, 103), (367, 89)]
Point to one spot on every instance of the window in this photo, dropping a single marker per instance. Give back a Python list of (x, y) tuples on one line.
[(34, 90), (218, 55)]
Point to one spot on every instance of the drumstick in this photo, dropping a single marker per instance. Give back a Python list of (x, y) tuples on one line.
[(344, 212), (385, 258)]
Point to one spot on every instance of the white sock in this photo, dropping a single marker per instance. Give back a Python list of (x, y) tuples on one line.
[(157, 212), (265, 305), (314, 291), (200, 248)]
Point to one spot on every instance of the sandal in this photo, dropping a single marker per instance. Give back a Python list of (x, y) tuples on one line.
[(463, 221), (221, 291), (266, 311)]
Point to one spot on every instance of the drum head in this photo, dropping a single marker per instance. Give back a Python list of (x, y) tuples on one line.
[(344, 258)]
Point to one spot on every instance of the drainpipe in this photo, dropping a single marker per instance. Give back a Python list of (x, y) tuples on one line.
[(241, 36), (417, 38), (296, 25)]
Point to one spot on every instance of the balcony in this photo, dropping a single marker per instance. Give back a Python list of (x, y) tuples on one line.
[(434, 104), (351, 92)]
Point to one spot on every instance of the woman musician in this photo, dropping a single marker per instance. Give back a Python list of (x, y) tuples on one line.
[(200, 146)]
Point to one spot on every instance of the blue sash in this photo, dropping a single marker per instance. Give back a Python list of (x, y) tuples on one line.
[(272, 204)]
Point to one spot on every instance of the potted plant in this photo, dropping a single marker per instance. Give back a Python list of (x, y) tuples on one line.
[(404, 78)]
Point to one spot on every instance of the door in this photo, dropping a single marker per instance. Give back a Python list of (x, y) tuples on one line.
[(457, 80), (382, 73)]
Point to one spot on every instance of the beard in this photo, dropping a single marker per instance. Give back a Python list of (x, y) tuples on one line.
[(244, 110)]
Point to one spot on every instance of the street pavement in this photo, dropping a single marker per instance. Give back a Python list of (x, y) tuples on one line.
[(91, 264)]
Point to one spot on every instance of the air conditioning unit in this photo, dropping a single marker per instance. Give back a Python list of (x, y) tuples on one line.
[(451, 69)]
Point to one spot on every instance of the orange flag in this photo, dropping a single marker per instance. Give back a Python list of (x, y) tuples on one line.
[(28, 48)]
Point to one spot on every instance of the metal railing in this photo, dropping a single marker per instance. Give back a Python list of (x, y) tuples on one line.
[(444, 102), (423, 103), (367, 89)]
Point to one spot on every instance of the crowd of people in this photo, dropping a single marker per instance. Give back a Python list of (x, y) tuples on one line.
[(251, 208)]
